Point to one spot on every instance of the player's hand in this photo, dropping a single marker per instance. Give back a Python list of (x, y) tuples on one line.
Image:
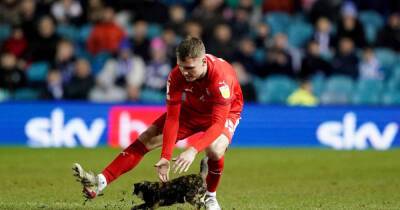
[(184, 160), (163, 169)]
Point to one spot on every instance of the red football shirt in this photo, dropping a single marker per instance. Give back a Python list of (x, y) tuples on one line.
[(210, 100)]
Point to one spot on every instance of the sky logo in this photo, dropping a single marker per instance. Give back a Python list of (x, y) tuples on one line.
[(346, 135), (56, 132)]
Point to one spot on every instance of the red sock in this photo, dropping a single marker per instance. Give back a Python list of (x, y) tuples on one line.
[(125, 161), (215, 169)]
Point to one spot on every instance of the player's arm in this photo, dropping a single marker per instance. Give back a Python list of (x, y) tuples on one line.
[(171, 126), (220, 113)]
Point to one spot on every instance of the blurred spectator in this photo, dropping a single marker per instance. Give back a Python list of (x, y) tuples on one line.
[(369, 67), (221, 44), (64, 60), (11, 77), (29, 18), (241, 22), (323, 8), (43, 46), (81, 82), (140, 42), (249, 93), (262, 35), (286, 6), (94, 10), (278, 59), (209, 14), (67, 11), (194, 29), (154, 11), (312, 63), (349, 26), (158, 68), (9, 11), (16, 43), (389, 36), (125, 72), (106, 35), (346, 61), (323, 35), (177, 17), (244, 54), (303, 96), (171, 41), (253, 10), (54, 88)]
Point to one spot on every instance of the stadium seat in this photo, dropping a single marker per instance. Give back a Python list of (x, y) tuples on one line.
[(4, 95), (299, 32), (278, 21), (391, 98), (151, 96), (26, 94), (368, 92), (393, 84), (68, 32), (97, 62), (386, 57), (338, 90), (5, 31), (154, 30), (276, 89), (371, 18), (84, 33), (37, 72), (318, 82), (372, 22)]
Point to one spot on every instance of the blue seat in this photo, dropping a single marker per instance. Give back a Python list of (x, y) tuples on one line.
[(299, 33), (68, 32), (337, 90), (84, 33), (37, 72), (391, 98), (372, 22), (368, 92), (97, 62), (152, 96), (278, 21), (276, 89), (386, 57), (317, 82), (26, 94), (5, 31), (154, 30), (4, 95)]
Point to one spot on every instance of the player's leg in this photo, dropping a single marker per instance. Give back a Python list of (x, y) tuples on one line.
[(215, 153), (124, 162)]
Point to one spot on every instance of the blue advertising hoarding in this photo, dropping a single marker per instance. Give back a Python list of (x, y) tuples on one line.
[(70, 124)]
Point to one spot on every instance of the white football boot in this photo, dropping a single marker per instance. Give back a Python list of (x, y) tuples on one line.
[(89, 181), (211, 203)]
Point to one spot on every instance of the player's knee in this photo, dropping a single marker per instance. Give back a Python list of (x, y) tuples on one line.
[(214, 154), (150, 138), (217, 149)]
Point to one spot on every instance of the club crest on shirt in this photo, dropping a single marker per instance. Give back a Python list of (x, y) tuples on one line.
[(225, 92)]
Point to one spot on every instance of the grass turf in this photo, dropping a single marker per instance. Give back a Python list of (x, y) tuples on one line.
[(253, 179)]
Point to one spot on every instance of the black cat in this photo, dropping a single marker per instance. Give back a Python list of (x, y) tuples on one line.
[(190, 188)]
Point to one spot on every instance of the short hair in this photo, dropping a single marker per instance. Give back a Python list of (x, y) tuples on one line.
[(191, 47)]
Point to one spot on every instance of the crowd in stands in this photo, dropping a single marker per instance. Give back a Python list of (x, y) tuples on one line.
[(300, 52)]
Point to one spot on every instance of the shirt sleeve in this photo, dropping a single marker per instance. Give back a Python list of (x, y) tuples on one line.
[(170, 131), (222, 96)]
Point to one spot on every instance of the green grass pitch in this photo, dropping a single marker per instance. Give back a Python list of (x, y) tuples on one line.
[(253, 179)]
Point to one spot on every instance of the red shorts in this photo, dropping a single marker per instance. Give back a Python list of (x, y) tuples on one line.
[(192, 125)]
